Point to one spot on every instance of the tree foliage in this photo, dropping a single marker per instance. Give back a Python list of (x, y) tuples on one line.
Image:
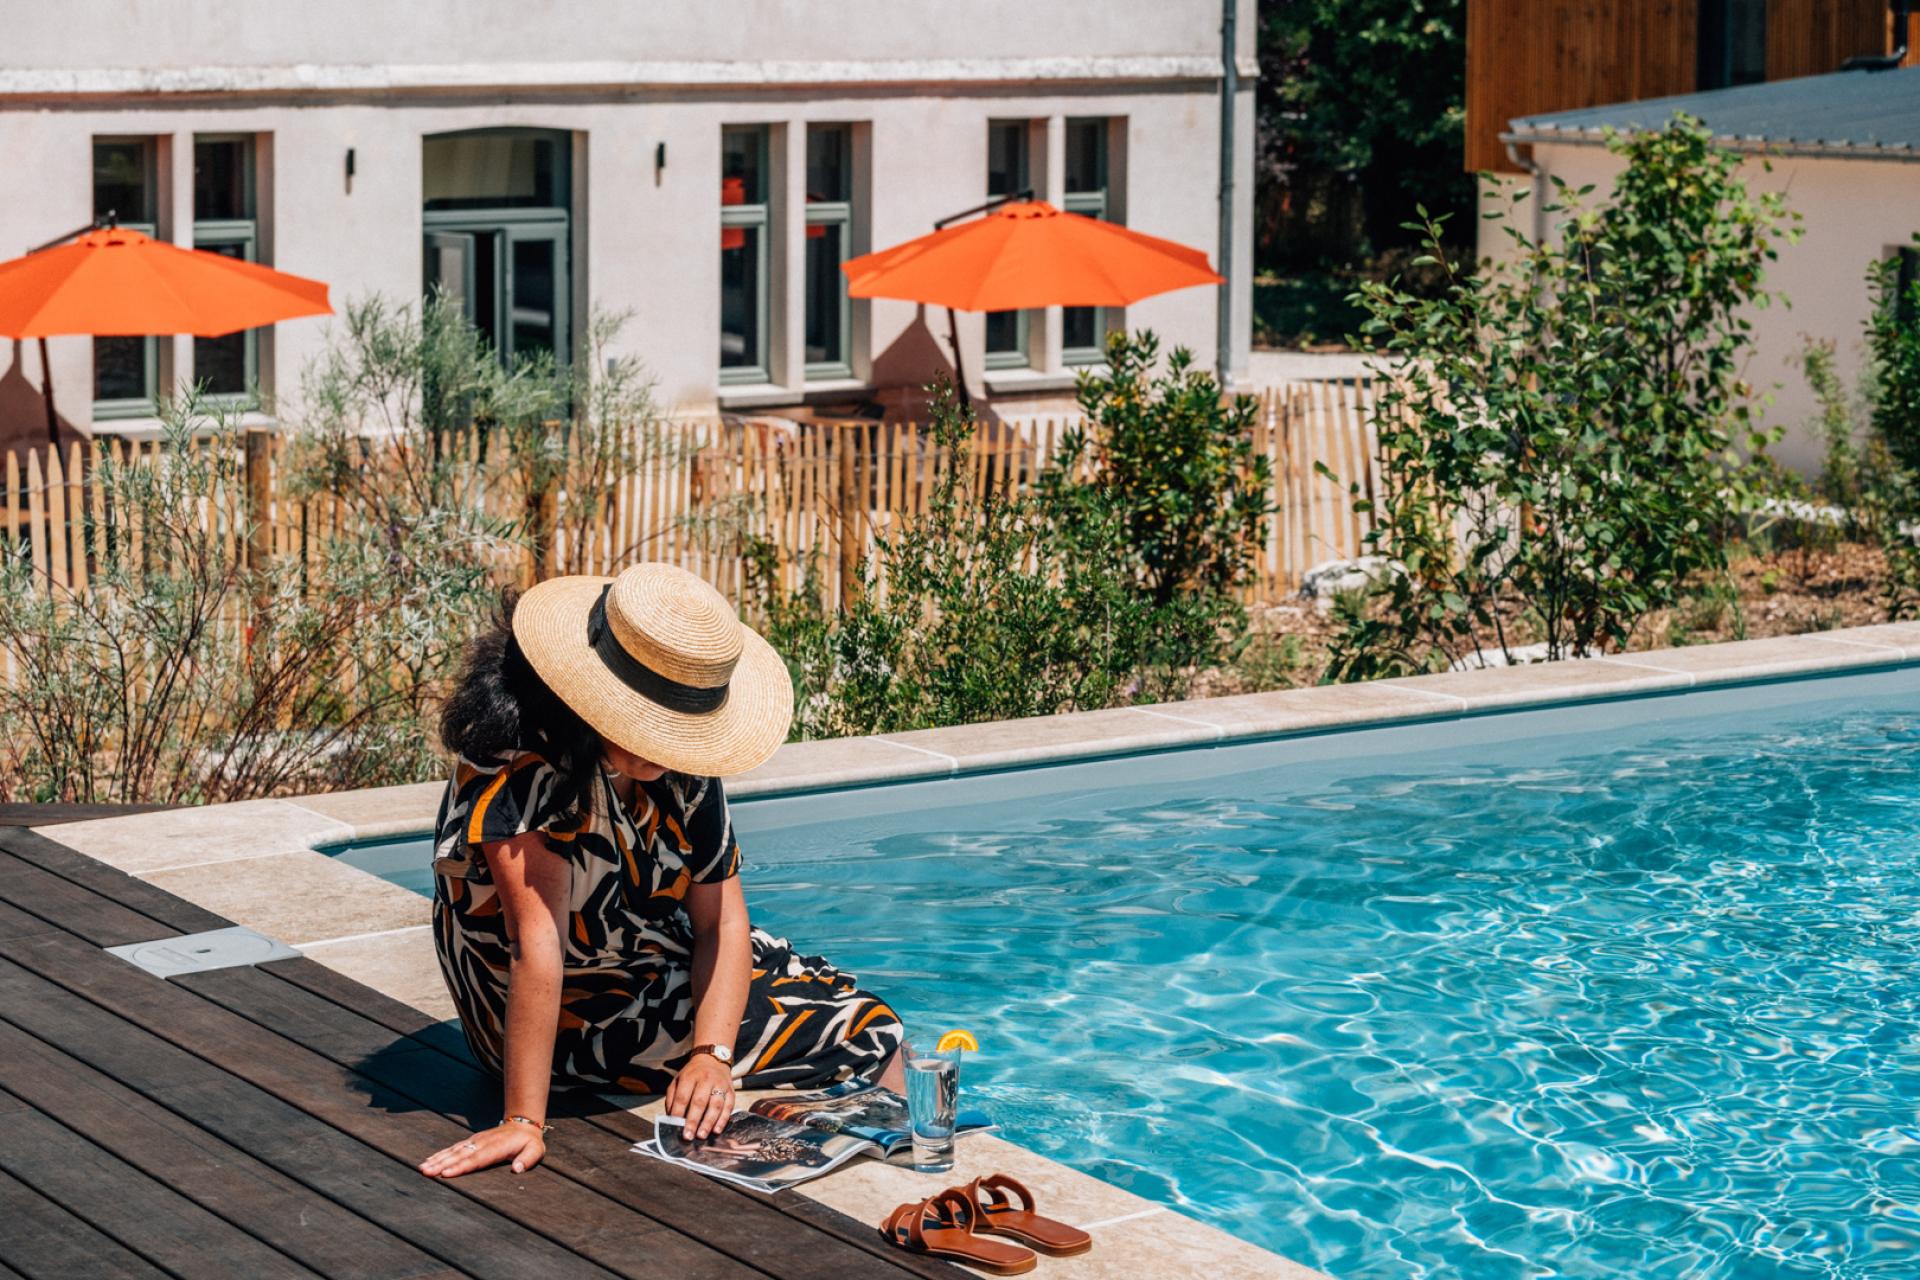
[(1564, 429), (1893, 396), (1163, 451), (1361, 111), (1100, 587), (186, 672)]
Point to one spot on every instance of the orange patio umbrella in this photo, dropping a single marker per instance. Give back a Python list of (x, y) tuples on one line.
[(1027, 254), (114, 282)]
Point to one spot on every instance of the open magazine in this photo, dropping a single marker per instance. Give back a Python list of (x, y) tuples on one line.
[(782, 1141)]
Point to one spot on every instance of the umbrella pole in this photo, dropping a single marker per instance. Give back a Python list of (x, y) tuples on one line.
[(959, 372), (46, 388)]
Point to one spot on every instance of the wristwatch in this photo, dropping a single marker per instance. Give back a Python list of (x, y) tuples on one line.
[(720, 1052)]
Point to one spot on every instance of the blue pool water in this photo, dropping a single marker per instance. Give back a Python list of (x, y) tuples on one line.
[(1622, 990)]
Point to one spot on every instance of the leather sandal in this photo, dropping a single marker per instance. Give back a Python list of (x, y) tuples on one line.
[(1003, 1207), (942, 1227)]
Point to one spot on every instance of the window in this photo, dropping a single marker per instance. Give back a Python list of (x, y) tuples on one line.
[(1083, 330), (126, 371), (743, 254), (498, 216), (1007, 175), (1733, 43), (829, 233), (224, 223)]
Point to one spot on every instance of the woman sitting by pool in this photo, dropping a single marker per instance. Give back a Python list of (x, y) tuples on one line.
[(587, 905)]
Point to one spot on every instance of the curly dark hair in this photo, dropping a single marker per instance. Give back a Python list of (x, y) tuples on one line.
[(500, 705)]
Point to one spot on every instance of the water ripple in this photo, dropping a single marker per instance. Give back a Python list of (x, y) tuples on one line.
[(1647, 1011)]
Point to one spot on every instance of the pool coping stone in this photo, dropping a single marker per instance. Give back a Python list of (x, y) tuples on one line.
[(203, 855)]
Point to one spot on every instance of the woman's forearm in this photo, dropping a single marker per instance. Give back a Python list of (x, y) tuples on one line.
[(722, 972), (533, 1019)]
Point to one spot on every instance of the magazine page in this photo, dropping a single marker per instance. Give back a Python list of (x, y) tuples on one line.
[(860, 1110), (754, 1151)]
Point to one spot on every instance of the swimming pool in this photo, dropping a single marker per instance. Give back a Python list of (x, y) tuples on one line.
[(1615, 989)]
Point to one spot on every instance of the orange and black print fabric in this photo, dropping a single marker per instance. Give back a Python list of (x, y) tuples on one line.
[(626, 1004)]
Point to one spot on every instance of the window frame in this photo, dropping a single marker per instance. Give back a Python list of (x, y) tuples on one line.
[(1020, 354), (1094, 203), (830, 213), (755, 217), (148, 405), (503, 225), (245, 232)]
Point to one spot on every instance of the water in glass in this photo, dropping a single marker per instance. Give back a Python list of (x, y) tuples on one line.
[(933, 1087)]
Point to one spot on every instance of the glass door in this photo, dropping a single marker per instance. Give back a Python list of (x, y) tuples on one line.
[(509, 272), (449, 266), (535, 292)]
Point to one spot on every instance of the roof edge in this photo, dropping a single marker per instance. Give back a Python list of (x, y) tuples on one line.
[(1901, 154)]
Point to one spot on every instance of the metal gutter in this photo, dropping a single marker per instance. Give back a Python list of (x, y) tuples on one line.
[(1901, 154)]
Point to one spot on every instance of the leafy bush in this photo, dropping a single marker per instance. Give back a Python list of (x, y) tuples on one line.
[(185, 673), (411, 421), (1842, 467), (1559, 428), (992, 607), (1175, 465), (1893, 394)]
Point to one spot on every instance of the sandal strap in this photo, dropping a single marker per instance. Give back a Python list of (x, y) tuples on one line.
[(908, 1216), (1002, 1190), (953, 1209), (950, 1210)]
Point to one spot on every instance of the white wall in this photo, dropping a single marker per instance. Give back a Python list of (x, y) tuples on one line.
[(1852, 212), (641, 245), (200, 35)]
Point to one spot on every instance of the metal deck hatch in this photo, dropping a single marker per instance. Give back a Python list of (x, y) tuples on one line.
[(199, 952)]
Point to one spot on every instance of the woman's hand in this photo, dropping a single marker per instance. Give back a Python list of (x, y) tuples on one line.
[(703, 1094), (508, 1140)]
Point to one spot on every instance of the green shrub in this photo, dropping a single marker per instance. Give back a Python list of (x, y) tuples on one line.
[(992, 607), (183, 673), (1166, 456), (1893, 392), (1560, 427)]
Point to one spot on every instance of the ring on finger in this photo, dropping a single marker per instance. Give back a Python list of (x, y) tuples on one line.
[(718, 1091)]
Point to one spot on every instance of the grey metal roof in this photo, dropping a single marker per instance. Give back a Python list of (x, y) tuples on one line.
[(1866, 114)]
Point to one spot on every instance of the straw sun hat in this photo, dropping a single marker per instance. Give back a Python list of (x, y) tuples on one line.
[(657, 663)]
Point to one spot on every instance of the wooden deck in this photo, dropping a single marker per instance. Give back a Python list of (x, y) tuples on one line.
[(265, 1122)]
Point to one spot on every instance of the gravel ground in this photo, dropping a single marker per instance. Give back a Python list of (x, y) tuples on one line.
[(1780, 593)]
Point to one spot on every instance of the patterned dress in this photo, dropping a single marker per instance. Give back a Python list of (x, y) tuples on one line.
[(626, 1004)]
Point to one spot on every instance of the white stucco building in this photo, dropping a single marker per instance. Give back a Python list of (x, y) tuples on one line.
[(704, 167), (1843, 148)]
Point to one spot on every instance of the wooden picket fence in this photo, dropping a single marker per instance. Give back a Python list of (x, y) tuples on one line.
[(815, 496)]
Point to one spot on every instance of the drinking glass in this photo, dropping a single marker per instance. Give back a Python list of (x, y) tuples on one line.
[(933, 1089)]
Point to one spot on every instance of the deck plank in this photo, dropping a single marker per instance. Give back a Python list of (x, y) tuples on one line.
[(404, 1019), (589, 1223), (45, 1242), (311, 1229), (170, 1230), (46, 815), (109, 882), (74, 908), (749, 1229), (334, 1165), (419, 1073)]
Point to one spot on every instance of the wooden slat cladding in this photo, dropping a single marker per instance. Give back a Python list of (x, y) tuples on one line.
[(1529, 57), (1525, 57), (1812, 37)]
